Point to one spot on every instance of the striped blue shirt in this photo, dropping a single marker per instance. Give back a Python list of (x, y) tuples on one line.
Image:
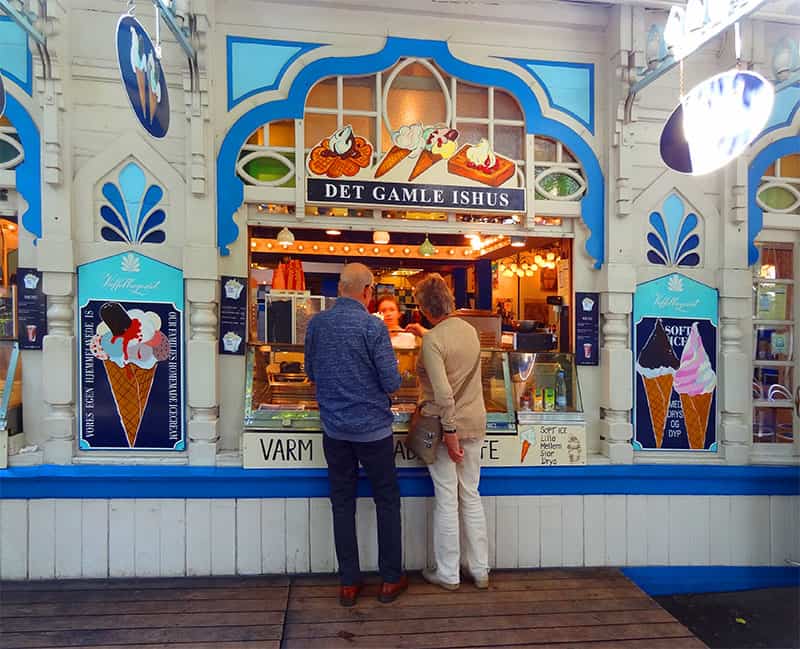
[(349, 356)]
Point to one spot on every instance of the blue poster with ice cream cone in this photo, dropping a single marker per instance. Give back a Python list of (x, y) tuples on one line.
[(131, 354), (675, 365)]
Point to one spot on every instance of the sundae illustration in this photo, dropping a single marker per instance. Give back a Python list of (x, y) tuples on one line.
[(657, 365), (478, 162), (427, 145), (341, 154), (149, 85), (695, 382), (231, 341), (233, 289), (129, 343)]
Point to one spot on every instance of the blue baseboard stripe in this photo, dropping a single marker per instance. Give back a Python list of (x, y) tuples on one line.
[(674, 580), (112, 481)]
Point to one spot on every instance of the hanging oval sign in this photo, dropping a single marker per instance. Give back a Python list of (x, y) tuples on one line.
[(716, 121), (2, 97), (142, 76)]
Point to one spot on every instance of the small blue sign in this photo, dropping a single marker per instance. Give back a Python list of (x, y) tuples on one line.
[(131, 354), (233, 315), (675, 364), (142, 76), (2, 97)]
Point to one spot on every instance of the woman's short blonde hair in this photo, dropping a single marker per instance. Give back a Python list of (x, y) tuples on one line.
[(434, 296)]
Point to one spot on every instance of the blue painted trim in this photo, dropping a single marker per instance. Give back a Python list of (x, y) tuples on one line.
[(524, 63), (755, 215), (784, 123), (672, 580), (49, 481), (230, 188), (304, 47), (29, 171), (27, 83)]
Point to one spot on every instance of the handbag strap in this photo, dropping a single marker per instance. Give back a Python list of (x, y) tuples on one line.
[(466, 381)]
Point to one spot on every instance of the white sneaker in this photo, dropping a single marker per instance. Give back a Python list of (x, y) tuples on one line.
[(481, 580), (432, 578)]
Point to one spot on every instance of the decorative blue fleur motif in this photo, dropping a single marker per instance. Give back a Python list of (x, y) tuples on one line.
[(132, 215), (673, 241)]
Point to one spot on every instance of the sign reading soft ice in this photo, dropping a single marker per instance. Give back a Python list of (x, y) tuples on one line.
[(688, 28), (675, 347), (716, 121), (131, 354)]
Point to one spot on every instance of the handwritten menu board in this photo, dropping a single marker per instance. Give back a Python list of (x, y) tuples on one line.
[(232, 315), (587, 328), (31, 309)]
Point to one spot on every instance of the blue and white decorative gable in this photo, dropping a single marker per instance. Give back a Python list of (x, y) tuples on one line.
[(673, 239)]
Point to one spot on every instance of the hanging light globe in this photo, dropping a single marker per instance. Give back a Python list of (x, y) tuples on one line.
[(285, 237), (426, 248), (381, 237)]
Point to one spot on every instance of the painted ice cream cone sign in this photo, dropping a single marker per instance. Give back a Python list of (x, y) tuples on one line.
[(142, 76), (675, 341)]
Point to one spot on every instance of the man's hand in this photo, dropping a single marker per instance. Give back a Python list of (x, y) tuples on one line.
[(416, 329), (454, 449)]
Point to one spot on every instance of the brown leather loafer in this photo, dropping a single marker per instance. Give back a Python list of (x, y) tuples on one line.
[(349, 594), (390, 591)]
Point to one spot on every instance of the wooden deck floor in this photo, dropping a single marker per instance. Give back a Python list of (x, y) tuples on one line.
[(592, 608)]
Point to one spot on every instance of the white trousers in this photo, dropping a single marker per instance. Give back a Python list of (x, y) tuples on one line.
[(456, 490)]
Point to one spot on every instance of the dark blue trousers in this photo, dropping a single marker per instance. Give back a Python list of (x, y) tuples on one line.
[(377, 458)]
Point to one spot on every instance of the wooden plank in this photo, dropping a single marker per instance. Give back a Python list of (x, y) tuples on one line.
[(143, 636), (245, 581), (297, 553), (594, 530), (94, 538), (248, 536), (140, 621), (551, 531), (223, 536), (508, 541), (13, 539), (636, 530), (273, 536), (367, 534), (121, 535), (68, 526), (147, 534), (657, 530), (172, 549), (415, 533), (719, 530), (572, 530), (528, 533), (475, 623), (365, 613), (493, 638), (649, 643), (198, 537), (136, 594), (616, 530), (257, 644), (41, 538), (749, 531)]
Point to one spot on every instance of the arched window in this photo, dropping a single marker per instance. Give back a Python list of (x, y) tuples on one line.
[(779, 190), (11, 152)]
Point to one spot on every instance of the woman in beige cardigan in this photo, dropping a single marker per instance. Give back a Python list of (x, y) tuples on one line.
[(449, 363)]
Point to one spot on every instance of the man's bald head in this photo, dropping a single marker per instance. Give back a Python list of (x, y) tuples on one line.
[(353, 281)]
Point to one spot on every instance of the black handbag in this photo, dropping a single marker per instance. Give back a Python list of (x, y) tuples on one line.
[(425, 431)]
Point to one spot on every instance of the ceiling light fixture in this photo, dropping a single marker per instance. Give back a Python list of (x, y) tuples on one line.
[(333, 233), (285, 237), (518, 242), (426, 248), (381, 237)]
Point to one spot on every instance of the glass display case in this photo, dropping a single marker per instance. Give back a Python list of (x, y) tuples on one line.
[(545, 386)]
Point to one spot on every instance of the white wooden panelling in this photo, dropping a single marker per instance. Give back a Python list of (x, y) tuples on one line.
[(594, 530), (323, 549), (121, 537), (415, 533), (94, 539), (572, 530), (147, 537), (198, 537), (273, 536), (657, 530), (367, 534), (784, 529), (750, 538), (172, 550), (507, 555), (68, 539), (13, 539), (551, 540), (616, 530), (636, 530), (490, 507), (248, 536), (42, 539), (528, 531), (297, 559), (719, 530), (688, 530), (223, 537)]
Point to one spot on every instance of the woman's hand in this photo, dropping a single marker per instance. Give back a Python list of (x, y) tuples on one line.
[(454, 449), (417, 329)]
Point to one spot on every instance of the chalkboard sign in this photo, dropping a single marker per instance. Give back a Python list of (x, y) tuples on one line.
[(587, 328), (233, 315), (31, 309)]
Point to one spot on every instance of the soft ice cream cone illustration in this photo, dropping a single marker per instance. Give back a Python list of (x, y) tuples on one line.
[(406, 141), (153, 86), (129, 343), (138, 65), (656, 365), (440, 144), (695, 382), (393, 157)]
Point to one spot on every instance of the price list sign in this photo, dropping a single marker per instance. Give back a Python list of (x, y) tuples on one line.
[(233, 316), (31, 309), (587, 328)]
